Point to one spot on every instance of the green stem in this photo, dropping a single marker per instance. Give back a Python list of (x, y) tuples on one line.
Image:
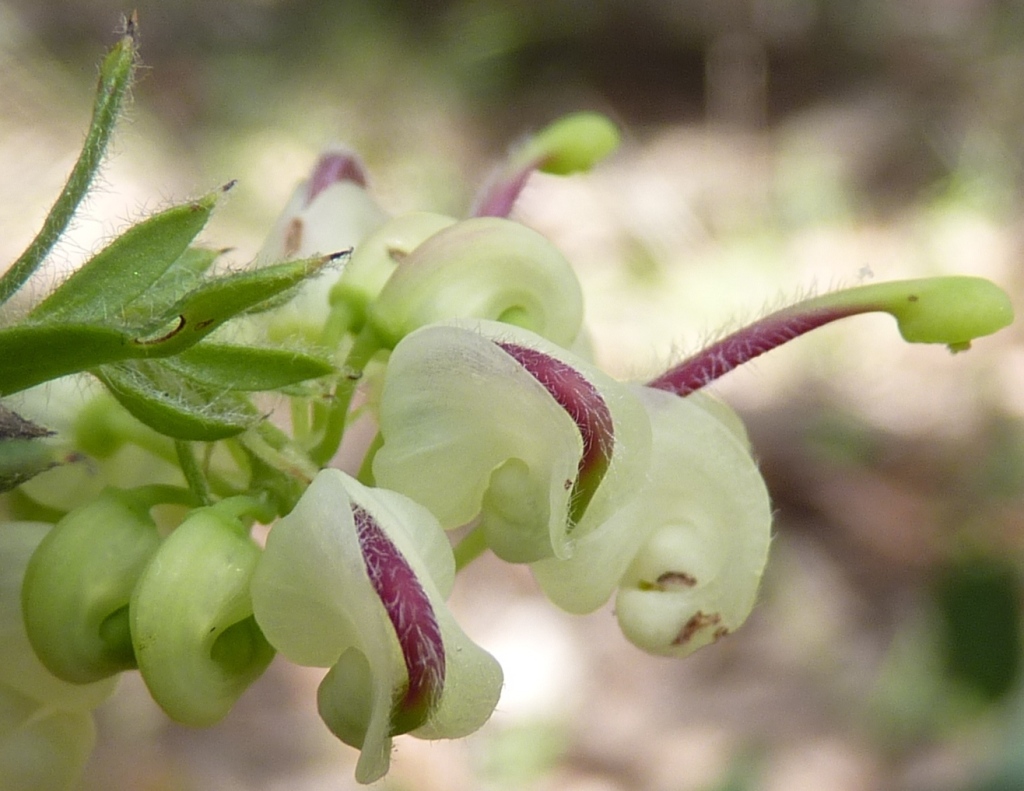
[(193, 473), (472, 546), (339, 321), (164, 494), (367, 344), (276, 449), (365, 475), (115, 79)]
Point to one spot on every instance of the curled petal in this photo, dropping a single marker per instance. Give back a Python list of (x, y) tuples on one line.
[(196, 641), (378, 255), (687, 552), (490, 420), (487, 268), (354, 579)]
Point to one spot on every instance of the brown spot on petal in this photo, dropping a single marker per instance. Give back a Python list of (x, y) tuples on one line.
[(695, 624), (293, 237), (720, 632), (672, 579), (397, 254)]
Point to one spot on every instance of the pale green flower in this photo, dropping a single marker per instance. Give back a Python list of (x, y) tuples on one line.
[(488, 420), (355, 579), (687, 551)]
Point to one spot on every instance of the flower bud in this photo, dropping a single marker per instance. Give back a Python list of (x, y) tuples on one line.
[(20, 668), (79, 582), (485, 268), (46, 725), (330, 212), (196, 641)]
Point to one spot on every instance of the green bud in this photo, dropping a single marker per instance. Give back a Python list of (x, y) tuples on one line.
[(20, 668), (378, 255), (79, 582), (486, 268), (196, 641)]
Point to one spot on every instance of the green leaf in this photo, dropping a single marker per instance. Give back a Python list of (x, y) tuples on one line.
[(247, 367), (180, 277), (208, 306), (115, 79), (30, 355), (36, 353), (128, 267), (175, 405)]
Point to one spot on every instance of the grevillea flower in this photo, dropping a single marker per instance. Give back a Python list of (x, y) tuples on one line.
[(355, 579), (79, 582), (491, 421), (196, 642)]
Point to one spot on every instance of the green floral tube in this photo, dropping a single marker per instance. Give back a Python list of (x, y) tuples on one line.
[(79, 582), (196, 641)]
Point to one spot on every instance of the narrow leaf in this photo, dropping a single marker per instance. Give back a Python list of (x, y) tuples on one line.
[(247, 367), (128, 267), (174, 405), (180, 277), (35, 354), (115, 78), (207, 307)]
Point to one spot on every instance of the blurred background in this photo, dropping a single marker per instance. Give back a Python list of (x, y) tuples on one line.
[(772, 148)]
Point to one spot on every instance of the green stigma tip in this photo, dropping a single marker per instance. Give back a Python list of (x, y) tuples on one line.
[(573, 144)]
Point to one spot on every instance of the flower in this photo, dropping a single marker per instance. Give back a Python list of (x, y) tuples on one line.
[(486, 268), (687, 551), (354, 579), (481, 419), (327, 213)]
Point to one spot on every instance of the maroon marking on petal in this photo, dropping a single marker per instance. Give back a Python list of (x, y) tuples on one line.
[(409, 610), (744, 345), (330, 169), (585, 406)]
